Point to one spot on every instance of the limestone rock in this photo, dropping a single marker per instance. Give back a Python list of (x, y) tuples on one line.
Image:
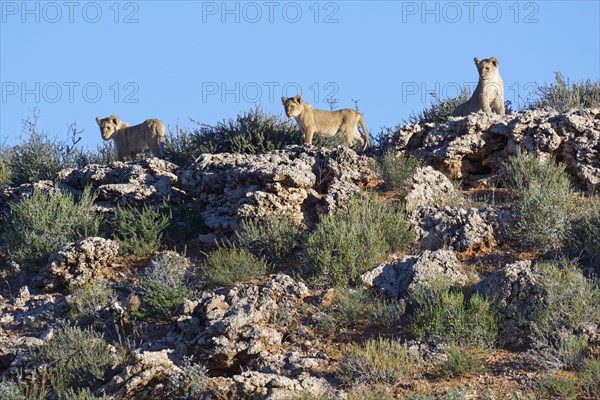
[(399, 278), (78, 262)]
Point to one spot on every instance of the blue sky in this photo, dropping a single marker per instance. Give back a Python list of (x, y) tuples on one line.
[(209, 60)]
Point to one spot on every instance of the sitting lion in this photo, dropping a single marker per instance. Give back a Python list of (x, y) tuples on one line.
[(328, 123), (131, 141), (489, 92)]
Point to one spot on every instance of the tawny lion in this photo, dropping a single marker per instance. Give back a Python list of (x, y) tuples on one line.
[(130, 141), (312, 121), (489, 93)]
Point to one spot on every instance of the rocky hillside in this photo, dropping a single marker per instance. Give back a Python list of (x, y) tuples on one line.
[(308, 273)]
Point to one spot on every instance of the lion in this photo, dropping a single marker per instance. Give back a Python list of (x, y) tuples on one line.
[(489, 92), (328, 123), (131, 141)]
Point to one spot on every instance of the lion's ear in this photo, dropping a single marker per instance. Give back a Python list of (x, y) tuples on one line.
[(477, 60), (114, 119), (298, 99), (494, 60), (98, 119), (283, 99)]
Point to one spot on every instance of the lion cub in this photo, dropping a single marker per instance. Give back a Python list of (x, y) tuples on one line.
[(133, 140), (328, 123), (489, 92)]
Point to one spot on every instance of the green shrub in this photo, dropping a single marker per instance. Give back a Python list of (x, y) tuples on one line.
[(589, 377), (274, 239), (571, 303), (75, 358), (372, 392), (34, 388), (231, 265), (378, 361), (454, 394), (140, 230), (191, 383), (40, 157), (460, 360), (584, 233), (440, 109), (252, 132), (39, 225), (545, 200), (89, 298), (344, 246), (443, 313), (563, 95), (4, 169), (81, 394), (355, 307), (168, 269), (164, 285), (187, 222), (10, 390), (397, 170), (104, 155), (183, 146), (557, 387)]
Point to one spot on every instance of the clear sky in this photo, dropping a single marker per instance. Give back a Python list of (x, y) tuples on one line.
[(209, 60)]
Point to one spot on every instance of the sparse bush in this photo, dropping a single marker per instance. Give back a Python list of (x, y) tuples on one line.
[(397, 170), (89, 298), (589, 377), (252, 132), (545, 200), (168, 269), (10, 390), (378, 361), (140, 230), (354, 307), (75, 358), (34, 388), (231, 265), (440, 109), (571, 304), (443, 313), (557, 387), (454, 394), (40, 157), (42, 223), (164, 285), (372, 392), (104, 155), (563, 95), (81, 394), (275, 239), (191, 383), (5, 172), (460, 360), (183, 146), (187, 222), (584, 233), (345, 245)]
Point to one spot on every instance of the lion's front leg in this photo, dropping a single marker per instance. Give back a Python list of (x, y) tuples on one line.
[(308, 135)]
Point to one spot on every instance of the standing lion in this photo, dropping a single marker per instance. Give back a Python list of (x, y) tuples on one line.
[(313, 121), (489, 93), (131, 141)]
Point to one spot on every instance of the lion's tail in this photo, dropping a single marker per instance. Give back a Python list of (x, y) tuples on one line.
[(361, 121)]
